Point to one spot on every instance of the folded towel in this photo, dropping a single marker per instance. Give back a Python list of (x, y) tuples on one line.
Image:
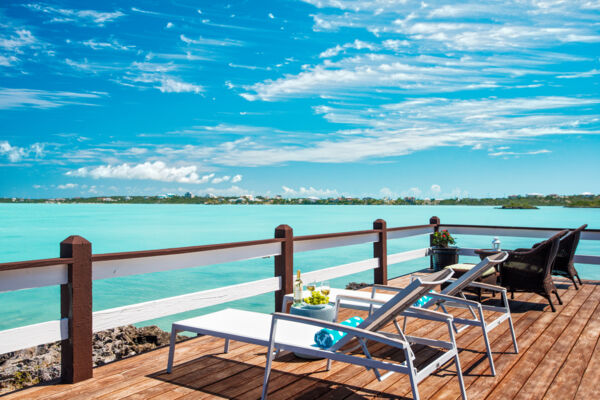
[(325, 338), (423, 300)]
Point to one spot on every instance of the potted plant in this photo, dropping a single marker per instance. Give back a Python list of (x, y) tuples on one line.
[(441, 254)]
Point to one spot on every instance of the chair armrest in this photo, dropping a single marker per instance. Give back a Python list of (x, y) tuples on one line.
[(361, 299), (453, 299), (363, 333), (418, 312), (487, 286)]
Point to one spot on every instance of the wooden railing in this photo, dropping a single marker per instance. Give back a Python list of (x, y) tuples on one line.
[(77, 267)]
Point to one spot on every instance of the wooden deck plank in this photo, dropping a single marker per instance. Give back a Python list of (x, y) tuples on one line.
[(546, 370), (559, 357), (567, 380), (588, 387), (549, 330), (478, 380)]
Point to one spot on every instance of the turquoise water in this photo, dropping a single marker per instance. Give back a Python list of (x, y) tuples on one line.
[(31, 231)]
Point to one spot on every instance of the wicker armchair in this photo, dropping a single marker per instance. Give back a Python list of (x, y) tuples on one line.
[(563, 263), (530, 270)]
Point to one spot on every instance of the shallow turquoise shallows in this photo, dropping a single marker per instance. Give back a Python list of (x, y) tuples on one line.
[(31, 231)]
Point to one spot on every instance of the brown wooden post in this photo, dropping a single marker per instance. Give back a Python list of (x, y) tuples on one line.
[(76, 305), (434, 221), (284, 264), (380, 252)]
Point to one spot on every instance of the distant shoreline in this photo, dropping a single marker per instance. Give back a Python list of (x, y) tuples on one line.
[(510, 203)]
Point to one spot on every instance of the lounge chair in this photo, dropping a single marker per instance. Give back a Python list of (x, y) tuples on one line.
[(453, 296), (530, 270), (280, 332), (563, 263)]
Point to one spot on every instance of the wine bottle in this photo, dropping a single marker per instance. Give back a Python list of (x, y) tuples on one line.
[(298, 289)]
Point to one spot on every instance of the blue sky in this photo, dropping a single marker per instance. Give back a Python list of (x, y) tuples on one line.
[(300, 98)]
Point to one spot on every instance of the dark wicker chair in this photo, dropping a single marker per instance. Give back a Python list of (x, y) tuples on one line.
[(563, 263), (530, 270)]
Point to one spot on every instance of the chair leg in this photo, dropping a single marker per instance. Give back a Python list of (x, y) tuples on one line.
[(269, 363), (510, 322), (574, 283), (550, 301), (512, 295), (461, 381), (171, 351), (558, 297), (411, 375), (487, 342), (579, 279)]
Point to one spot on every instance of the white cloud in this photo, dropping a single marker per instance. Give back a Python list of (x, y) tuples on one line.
[(16, 153), (169, 25), (387, 193), (435, 189), (159, 75), (21, 38), (156, 171), (236, 178), (14, 98), (357, 44), (81, 17), (67, 186), (412, 192), (221, 179), (231, 191), (172, 85), (397, 129), (271, 16), (308, 192)]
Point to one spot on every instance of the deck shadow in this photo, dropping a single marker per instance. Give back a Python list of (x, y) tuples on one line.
[(237, 377)]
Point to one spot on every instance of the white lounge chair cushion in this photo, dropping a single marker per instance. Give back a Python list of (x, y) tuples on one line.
[(249, 327)]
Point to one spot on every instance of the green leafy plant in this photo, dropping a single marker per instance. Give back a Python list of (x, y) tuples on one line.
[(442, 239), (316, 298)]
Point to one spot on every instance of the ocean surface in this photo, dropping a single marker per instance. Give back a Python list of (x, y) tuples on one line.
[(33, 231)]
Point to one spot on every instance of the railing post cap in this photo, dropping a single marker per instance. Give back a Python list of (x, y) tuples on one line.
[(75, 240), (379, 224), (284, 230), (434, 220)]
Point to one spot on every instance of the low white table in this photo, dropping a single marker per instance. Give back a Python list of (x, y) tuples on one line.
[(288, 299)]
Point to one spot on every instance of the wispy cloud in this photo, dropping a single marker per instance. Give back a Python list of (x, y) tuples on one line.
[(586, 74), (67, 186), (516, 153), (156, 171), (15, 98), (80, 17), (107, 45), (309, 192), (16, 41), (357, 44), (210, 42)]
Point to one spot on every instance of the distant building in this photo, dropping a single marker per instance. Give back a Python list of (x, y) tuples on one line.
[(188, 195)]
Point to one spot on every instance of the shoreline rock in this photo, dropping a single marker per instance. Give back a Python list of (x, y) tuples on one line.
[(34, 365)]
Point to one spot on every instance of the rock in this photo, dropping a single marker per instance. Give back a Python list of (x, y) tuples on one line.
[(356, 285), (27, 367)]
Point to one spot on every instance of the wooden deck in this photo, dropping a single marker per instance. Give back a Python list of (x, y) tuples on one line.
[(559, 358)]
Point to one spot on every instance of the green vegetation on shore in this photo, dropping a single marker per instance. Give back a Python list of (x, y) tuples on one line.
[(512, 202)]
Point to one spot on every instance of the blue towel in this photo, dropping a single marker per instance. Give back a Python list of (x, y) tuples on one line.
[(423, 300), (326, 338)]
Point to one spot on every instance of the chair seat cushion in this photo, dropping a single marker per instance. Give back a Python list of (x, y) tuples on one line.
[(462, 268)]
